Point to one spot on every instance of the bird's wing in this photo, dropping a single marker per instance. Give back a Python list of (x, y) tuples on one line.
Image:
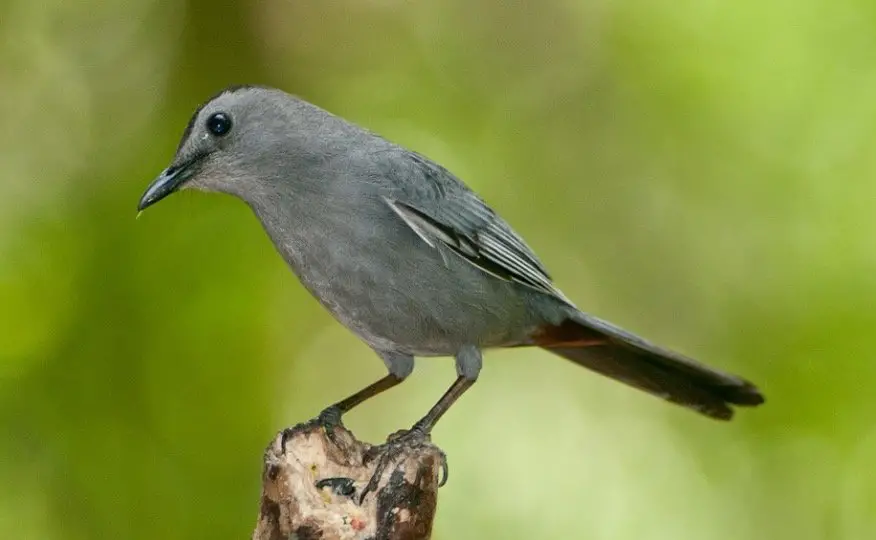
[(440, 208)]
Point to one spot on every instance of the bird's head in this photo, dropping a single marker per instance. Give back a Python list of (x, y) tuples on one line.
[(240, 142)]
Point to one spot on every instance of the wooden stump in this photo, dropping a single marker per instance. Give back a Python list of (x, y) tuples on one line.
[(312, 488)]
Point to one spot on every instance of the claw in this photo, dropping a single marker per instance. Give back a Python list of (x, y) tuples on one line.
[(330, 418), (445, 471), (390, 451), (378, 473), (284, 438)]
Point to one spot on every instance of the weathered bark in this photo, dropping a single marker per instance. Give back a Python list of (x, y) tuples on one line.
[(312, 488)]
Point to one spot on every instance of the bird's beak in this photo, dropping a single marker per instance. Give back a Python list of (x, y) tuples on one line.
[(167, 182)]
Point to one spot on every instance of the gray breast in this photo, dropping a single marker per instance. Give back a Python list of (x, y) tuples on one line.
[(381, 280)]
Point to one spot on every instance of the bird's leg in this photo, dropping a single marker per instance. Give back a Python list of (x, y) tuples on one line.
[(468, 366), (424, 426), (330, 417), (400, 365)]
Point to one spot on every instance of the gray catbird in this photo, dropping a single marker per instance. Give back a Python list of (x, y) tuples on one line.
[(406, 256)]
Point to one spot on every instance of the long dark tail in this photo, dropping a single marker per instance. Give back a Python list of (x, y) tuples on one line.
[(614, 352)]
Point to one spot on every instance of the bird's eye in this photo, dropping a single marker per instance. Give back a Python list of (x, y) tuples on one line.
[(219, 124)]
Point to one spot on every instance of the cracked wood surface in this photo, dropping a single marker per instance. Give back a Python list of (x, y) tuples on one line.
[(312, 485)]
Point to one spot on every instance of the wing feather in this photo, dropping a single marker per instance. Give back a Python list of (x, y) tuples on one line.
[(489, 247), (440, 208)]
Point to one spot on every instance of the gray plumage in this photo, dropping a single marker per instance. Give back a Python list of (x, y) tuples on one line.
[(405, 255)]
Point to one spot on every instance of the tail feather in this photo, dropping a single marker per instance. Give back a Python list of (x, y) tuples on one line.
[(616, 353)]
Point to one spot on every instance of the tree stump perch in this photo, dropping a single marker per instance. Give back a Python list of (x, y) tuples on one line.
[(312, 488)]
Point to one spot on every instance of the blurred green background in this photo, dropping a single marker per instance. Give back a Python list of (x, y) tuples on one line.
[(699, 172)]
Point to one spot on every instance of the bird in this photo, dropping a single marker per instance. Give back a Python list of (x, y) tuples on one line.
[(406, 256)]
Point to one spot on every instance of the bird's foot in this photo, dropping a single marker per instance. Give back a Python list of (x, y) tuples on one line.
[(394, 447), (330, 420)]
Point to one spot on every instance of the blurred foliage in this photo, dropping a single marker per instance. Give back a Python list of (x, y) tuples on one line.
[(700, 172)]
